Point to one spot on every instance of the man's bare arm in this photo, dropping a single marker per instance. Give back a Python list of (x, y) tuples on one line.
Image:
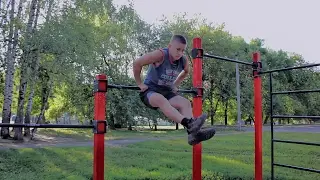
[(183, 74), (149, 58)]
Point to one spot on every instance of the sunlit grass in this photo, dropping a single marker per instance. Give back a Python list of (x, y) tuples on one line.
[(87, 134), (224, 157)]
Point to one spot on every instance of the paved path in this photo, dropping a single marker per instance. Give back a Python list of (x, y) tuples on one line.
[(70, 143), (46, 141), (295, 128)]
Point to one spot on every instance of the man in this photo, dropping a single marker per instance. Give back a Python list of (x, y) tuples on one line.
[(168, 67)]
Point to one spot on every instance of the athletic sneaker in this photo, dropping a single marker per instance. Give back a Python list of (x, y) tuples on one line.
[(195, 124), (203, 135)]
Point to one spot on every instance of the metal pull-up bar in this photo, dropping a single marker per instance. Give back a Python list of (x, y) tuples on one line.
[(199, 53), (227, 59), (76, 126), (290, 68), (130, 87)]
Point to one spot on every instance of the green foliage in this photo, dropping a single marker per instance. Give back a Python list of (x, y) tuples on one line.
[(83, 38)]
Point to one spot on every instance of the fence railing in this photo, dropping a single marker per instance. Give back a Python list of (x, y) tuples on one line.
[(273, 116)]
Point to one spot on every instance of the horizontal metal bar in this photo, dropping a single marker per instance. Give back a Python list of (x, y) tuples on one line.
[(187, 91), (296, 91), (297, 117), (113, 86), (290, 68), (296, 142), (227, 59), (296, 167), (46, 125)]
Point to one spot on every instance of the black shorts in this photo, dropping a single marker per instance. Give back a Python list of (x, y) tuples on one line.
[(144, 96)]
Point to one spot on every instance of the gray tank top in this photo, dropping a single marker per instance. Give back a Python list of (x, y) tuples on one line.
[(166, 73)]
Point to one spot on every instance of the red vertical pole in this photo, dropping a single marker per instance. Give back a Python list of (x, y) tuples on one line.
[(99, 116), (197, 108), (257, 115)]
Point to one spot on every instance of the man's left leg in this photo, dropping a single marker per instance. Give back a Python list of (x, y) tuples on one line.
[(183, 105)]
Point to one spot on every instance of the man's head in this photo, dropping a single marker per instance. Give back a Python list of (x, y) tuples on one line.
[(177, 46)]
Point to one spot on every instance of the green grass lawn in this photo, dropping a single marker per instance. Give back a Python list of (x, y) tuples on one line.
[(86, 134), (225, 157)]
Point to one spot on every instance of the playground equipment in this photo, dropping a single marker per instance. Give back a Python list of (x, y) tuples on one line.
[(99, 124)]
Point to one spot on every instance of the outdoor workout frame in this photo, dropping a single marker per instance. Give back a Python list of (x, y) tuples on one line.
[(197, 90), (197, 55), (257, 72), (273, 116), (99, 126)]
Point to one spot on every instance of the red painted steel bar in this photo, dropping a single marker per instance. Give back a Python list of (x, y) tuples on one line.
[(257, 115), (197, 108), (99, 115)]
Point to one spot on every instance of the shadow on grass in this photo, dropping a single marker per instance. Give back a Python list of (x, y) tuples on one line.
[(76, 163), (46, 163)]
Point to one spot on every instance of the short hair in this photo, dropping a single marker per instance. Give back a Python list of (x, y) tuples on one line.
[(179, 38)]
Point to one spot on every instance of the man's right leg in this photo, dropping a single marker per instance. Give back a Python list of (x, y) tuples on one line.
[(159, 101), (196, 134)]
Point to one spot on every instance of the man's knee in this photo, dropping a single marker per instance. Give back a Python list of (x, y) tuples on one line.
[(186, 103), (157, 100), (180, 102)]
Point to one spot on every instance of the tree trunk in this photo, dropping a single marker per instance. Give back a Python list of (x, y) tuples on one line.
[(24, 74), (3, 22), (111, 125), (46, 90), (129, 122), (130, 127), (177, 126), (28, 110), (3, 18), (213, 107), (211, 102), (48, 16), (226, 113), (213, 112), (8, 90), (266, 119)]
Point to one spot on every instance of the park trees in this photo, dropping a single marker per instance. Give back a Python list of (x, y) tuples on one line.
[(51, 51)]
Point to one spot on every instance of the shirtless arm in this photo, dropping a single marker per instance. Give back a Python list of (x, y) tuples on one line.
[(183, 74), (149, 58)]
